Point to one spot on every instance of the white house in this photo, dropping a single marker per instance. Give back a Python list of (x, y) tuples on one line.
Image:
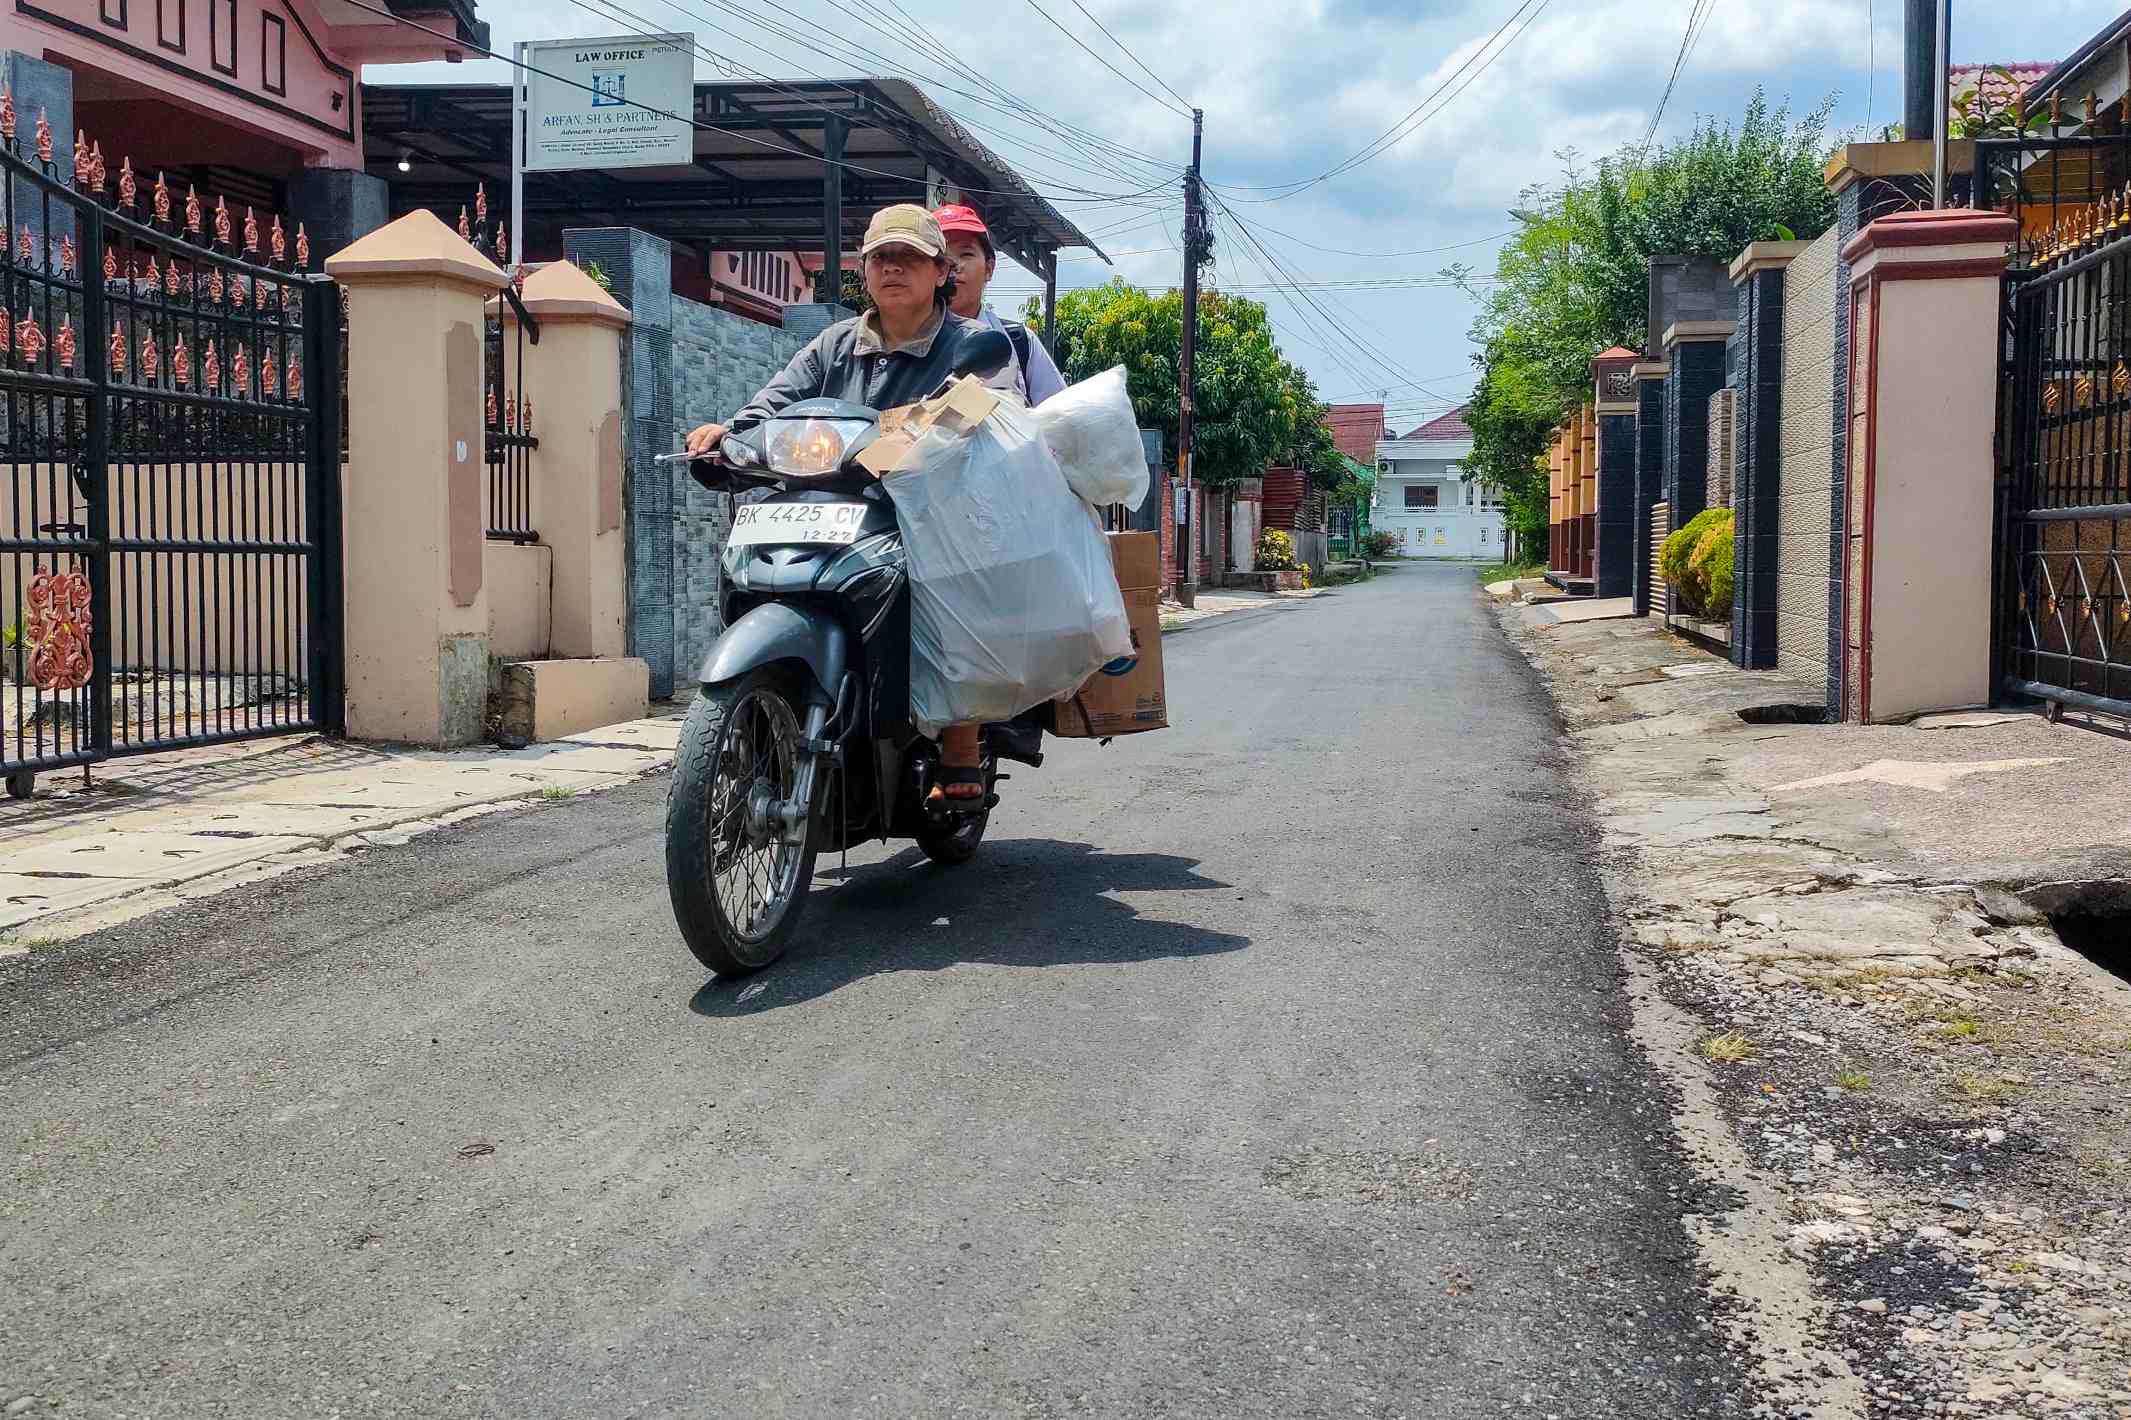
[(1424, 499)]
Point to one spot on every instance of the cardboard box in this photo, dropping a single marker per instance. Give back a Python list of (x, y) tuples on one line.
[(965, 405), (1128, 696)]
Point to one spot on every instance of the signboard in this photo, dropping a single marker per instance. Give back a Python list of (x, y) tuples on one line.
[(599, 103)]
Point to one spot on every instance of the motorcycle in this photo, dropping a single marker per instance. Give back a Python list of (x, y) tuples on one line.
[(800, 741)]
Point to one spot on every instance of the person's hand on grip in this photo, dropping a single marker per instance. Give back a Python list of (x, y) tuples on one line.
[(703, 439)]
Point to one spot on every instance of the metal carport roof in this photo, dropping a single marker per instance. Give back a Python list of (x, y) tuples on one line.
[(761, 181)]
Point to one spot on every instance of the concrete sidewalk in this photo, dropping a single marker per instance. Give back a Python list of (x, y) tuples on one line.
[(144, 834), (1908, 1092)]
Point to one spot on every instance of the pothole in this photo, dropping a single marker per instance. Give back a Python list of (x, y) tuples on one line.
[(2102, 938), (1785, 714), (2092, 918)]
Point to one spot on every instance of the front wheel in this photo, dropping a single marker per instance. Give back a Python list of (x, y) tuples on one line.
[(739, 849)]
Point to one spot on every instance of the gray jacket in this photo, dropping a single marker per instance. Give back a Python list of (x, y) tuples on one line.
[(848, 361)]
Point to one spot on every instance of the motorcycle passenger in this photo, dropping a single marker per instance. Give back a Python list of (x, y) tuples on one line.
[(895, 354), (969, 247)]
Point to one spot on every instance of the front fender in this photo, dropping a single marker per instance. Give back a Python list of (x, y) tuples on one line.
[(778, 631)]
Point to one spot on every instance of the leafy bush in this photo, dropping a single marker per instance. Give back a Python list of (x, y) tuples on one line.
[(1697, 561), (1379, 544), (1275, 552), (1714, 558)]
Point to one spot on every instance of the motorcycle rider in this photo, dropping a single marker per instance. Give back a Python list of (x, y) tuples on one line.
[(895, 354), (969, 247)]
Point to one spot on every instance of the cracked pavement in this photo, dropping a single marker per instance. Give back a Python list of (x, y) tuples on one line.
[(1842, 963)]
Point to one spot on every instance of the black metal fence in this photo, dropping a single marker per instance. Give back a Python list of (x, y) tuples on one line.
[(2065, 448), (509, 438), (169, 542)]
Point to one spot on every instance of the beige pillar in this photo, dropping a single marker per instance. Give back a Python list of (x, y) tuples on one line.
[(573, 379), (1923, 399), (414, 517)]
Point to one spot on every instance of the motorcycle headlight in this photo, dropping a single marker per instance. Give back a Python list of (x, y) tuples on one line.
[(808, 448)]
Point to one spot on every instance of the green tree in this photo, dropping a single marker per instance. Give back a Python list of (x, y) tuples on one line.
[(1255, 407), (1574, 279)]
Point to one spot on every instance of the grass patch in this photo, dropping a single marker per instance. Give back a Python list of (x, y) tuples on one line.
[(1978, 1088), (1729, 1048), (2019, 1265), (1855, 1081), (1864, 978), (558, 791), (2098, 1163), (1510, 571), (1959, 1022), (1345, 576)]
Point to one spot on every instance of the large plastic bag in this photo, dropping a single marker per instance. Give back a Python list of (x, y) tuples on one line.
[(1012, 597), (1094, 435)]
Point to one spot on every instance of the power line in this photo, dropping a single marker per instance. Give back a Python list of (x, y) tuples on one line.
[(1375, 255), (1183, 112), (702, 127), (1412, 121), (1694, 15), (851, 54), (1130, 53)]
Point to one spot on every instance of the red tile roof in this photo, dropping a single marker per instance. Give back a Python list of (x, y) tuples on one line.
[(1996, 88), (1444, 426), (1355, 430)]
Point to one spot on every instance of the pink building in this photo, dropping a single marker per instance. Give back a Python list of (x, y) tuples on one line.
[(259, 101)]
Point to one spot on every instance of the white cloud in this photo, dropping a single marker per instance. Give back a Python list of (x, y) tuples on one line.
[(1292, 87)]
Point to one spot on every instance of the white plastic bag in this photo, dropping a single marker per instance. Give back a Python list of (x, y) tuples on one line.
[(1094, 435), (1012, 597)]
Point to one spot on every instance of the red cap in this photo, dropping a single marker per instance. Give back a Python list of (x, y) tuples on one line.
[(956, 218)]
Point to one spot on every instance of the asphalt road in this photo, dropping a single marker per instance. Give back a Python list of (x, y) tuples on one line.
[(1269, 1066)]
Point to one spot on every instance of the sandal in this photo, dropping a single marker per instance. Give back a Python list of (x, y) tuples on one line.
[(958, 776)]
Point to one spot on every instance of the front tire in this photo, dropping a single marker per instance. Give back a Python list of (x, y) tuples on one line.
[(737, 876)]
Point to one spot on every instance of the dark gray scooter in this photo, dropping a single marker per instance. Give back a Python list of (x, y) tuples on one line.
[(801, 740)]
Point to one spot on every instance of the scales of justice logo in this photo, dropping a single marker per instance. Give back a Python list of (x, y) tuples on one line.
[(609, 88)]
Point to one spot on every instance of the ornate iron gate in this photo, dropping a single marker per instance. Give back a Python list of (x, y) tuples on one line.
[(170, 545), (2065, 527)]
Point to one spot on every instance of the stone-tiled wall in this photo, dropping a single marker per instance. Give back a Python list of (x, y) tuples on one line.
[(1723, 470), (719, 361), (1757, 442), (1649, 482), (1804, 517)]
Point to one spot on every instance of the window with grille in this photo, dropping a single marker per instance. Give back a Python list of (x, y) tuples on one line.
[(1422, 495)]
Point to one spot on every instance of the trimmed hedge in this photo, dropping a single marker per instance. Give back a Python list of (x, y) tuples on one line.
[(1696, 560)]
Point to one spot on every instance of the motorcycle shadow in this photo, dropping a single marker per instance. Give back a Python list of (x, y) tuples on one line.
[(1024, 902)]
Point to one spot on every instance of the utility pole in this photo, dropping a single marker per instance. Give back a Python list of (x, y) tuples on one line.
[(1196, 245), (1942, 80)]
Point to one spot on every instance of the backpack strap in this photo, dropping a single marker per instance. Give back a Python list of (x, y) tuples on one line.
[(1018, 335)]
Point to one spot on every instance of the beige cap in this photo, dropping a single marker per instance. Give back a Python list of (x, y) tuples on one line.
[(905, 224)]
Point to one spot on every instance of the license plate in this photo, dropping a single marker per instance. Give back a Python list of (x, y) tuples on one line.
[(755, 523)]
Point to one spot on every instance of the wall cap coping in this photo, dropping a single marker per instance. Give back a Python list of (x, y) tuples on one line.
[(414, 246), (1651, 369), (1617, 406), (1853, 163), (1766, 256), (561, 291), (1948, 226), (1681, 332)]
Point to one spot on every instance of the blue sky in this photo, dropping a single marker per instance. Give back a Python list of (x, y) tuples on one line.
[(1293, 88)]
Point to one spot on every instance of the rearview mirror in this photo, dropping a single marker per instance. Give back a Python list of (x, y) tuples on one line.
[(983, 354)]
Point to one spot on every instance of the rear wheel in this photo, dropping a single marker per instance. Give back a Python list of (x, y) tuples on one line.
[(737, 866)]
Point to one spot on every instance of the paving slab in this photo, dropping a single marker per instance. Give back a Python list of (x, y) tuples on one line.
[(1591, 609), (147, 833)]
